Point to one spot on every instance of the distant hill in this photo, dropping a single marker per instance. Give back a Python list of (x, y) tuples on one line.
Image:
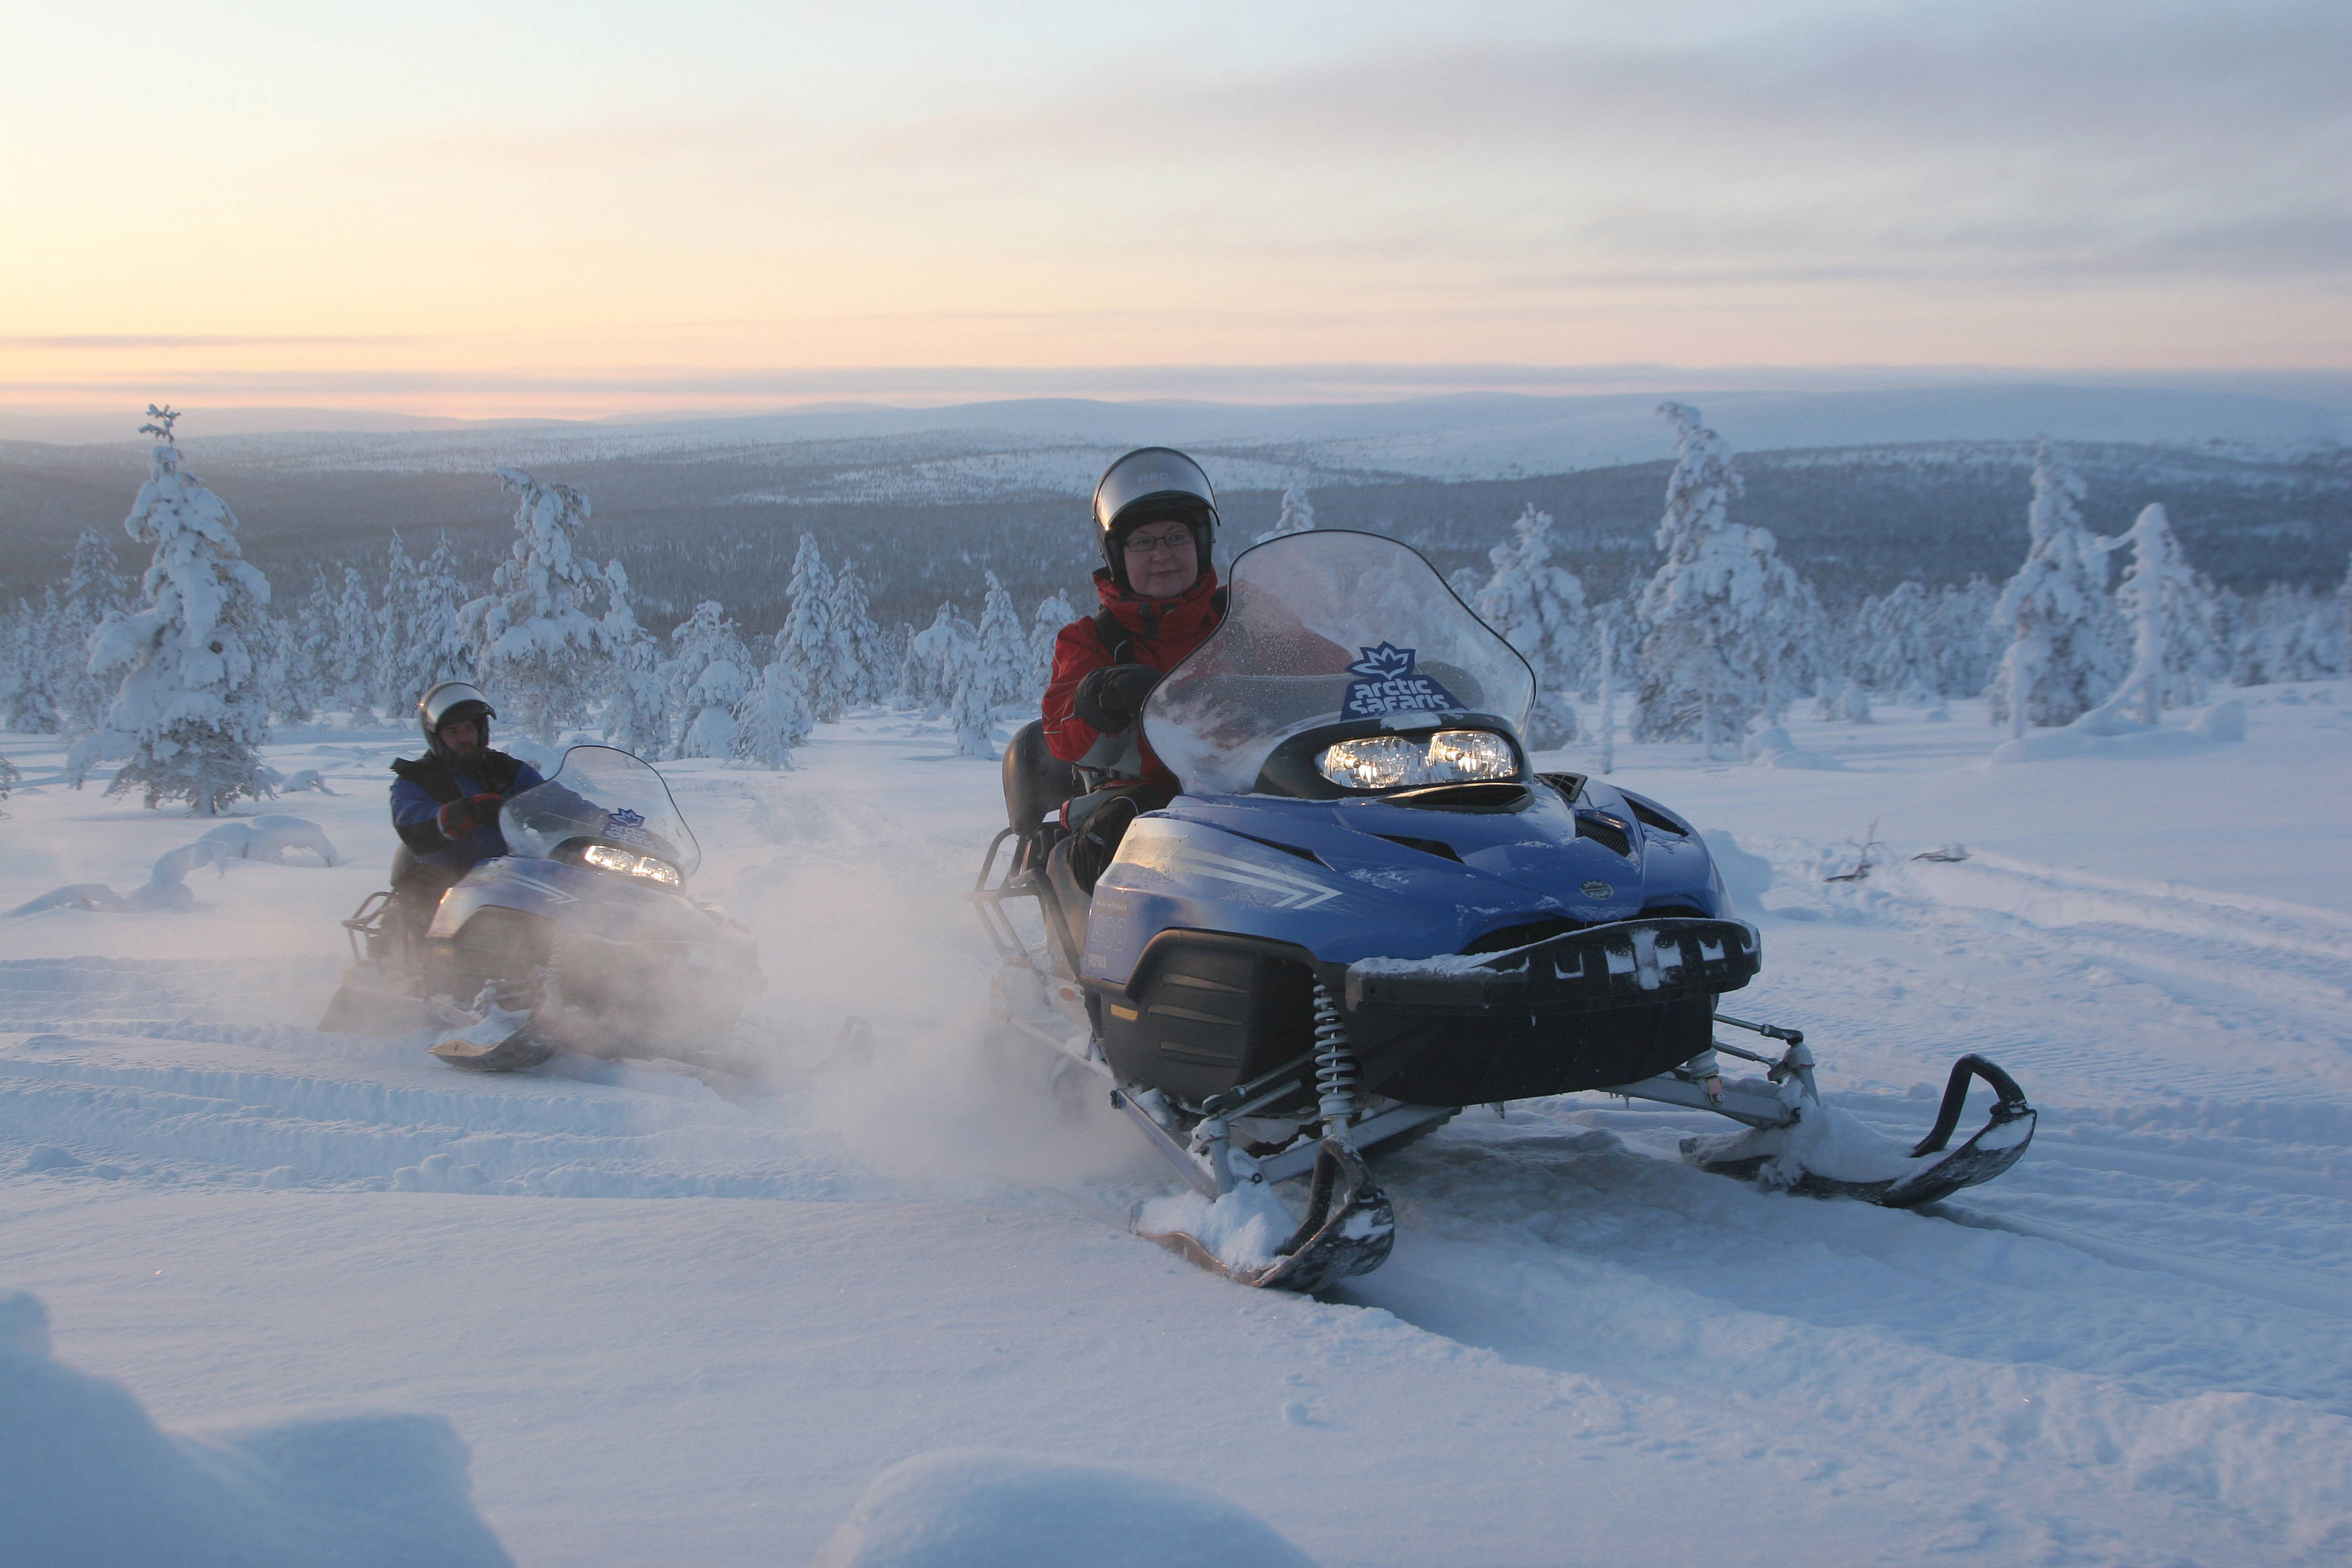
[(1863, 489)]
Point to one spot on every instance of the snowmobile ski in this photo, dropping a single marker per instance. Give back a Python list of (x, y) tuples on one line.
[(1349, 1229), (499, 1041), (2000, 1143)]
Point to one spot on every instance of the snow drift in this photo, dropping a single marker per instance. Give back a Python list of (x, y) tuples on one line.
[(972, 1509), (86, 1479)]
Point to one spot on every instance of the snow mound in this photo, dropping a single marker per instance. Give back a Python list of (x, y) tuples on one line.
[(973, 1509), (2110, 738), (1747, 878), (270, 838), (86, 1477), (1772, 748), (2225, 720)]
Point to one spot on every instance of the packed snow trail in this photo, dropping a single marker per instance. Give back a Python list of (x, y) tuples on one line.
[(2131, 1348)]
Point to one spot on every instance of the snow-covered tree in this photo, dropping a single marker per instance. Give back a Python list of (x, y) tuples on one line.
[(352, 657), (2054, 615), (709, 674), (1053, 615), (2284, 633), (773, 717), (928, 675), (1538, 605), (806, 641), (440, 651), (1608, 697), (2171, 618), (1894, 649), (35, 667), (1297, 514), (1726, 620), (1004, 663), (94, 580), (95, 587), (636, 694), (968, 710), (395, 616), (190, 711), (861, 653), (537, 635)]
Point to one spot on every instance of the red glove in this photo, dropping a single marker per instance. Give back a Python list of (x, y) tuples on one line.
[(460, 817)]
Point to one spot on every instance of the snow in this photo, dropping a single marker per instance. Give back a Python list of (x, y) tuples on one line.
[(679, 1322), (982, 1509), (86, 1477)]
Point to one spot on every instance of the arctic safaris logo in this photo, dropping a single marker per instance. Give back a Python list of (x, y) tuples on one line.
[(1385, 683), (628, 826)]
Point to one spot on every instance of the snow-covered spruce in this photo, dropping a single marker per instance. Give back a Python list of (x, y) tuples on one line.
[(861, 650), (2171, 618), (2054, 616), (707, 676), (1727, 621), (637, 696), (537, 632), (1297, 514), (1052, 614), (190, 713), (1006, 664), (805, 642), (1538, 605), (928, 675), (773, 717)]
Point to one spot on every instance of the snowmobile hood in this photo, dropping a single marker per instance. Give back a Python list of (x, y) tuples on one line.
[(1371, 877)]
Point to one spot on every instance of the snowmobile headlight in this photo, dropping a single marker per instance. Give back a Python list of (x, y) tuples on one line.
[(1376, 761), (1466, 756), (1397, 761), (604, 858)]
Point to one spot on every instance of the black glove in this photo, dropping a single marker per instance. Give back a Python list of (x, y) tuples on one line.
[(1111, 698)]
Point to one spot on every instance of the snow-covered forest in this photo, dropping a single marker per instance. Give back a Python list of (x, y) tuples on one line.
[(1715, 639)]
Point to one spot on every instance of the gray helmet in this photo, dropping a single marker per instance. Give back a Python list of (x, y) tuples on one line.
[(1148, 485), (452, 699)]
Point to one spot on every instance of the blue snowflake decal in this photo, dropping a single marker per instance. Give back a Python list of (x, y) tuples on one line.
[(1385, 682)]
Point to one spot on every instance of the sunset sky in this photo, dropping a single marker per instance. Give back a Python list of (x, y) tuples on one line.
[(591, 208)]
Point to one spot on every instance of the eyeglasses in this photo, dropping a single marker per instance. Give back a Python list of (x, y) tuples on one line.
[(1174, 540)]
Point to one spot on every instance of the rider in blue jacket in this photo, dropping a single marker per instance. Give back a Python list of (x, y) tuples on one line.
[(445, 805)]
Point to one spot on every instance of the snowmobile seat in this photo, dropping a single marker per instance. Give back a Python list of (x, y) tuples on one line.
[(1036, 783), (403, 858)]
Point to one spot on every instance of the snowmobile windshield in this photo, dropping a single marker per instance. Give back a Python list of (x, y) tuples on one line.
[(606, 796), (1327, 628)]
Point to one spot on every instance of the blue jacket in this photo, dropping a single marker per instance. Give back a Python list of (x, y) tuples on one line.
[(427, 783)]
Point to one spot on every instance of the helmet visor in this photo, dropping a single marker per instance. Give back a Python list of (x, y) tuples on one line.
[(1154, 473)]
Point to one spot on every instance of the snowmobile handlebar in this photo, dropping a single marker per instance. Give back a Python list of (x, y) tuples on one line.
[(1956, 1093)]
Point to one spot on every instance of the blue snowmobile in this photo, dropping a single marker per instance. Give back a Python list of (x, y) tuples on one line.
[(1366, 911)]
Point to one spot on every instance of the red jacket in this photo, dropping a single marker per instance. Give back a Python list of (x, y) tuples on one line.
[(1160, 632)]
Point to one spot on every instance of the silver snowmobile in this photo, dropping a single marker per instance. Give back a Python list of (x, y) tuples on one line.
[(1367, 911), (581, 938)]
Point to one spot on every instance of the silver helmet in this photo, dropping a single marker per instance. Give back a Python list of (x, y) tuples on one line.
[(452, 699), (1147, 485)]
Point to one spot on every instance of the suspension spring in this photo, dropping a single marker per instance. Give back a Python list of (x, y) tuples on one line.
[(1335, 1064)]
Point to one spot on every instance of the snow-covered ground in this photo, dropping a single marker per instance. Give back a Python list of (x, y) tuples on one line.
[(681, 1326)]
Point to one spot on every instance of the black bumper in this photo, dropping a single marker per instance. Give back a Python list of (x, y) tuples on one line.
[(1628, 964)]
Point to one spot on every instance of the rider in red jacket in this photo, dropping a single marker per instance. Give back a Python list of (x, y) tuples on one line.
[(1156, 521)]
